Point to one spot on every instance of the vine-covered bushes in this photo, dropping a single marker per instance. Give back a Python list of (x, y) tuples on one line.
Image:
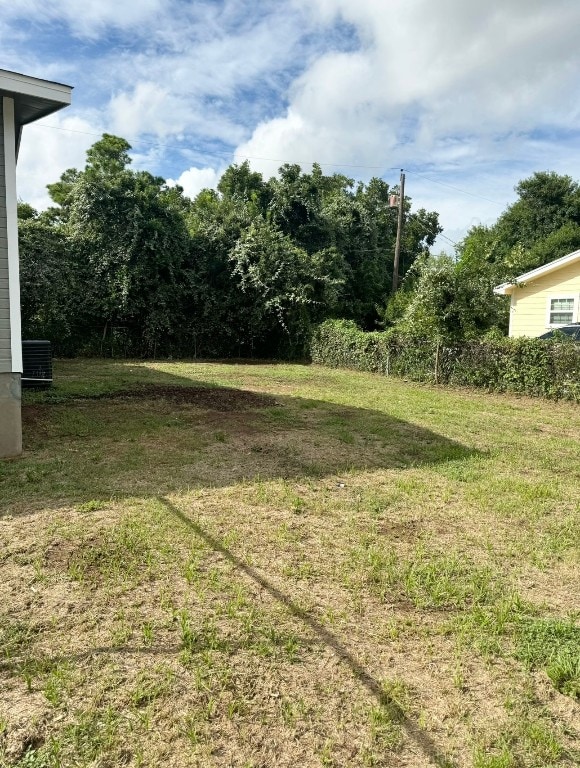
[(125, 264), (528, 366)]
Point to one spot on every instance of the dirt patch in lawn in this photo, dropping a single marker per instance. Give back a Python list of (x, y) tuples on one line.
[(58, 555), (212, 398), (34, 418), (405, 530)]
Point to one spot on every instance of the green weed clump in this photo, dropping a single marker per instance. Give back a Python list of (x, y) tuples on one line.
[(198, 636), (524, 741), (429, 579), (35, 758), (554, 645), (93, 736), (92, 739), (152, 684), (15, 637), (510, 627)]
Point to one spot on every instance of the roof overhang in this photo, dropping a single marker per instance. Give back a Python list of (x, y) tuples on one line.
[(506, 289), (33, 98)]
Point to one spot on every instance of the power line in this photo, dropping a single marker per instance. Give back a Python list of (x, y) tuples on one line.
[(224, 152), (279, 160), (422, 226), (220, 152), (435, 234), (246, 157), (457, 189), (449, 240)]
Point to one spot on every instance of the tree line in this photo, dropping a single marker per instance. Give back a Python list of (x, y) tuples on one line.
[(123, 264)]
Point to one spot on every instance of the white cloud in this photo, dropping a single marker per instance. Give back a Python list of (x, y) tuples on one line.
[(153, 108), (195, 179), (46, 152), (86, 19), (452, 66), (453, 86), (148, 107), (196, 75), (468, 92)]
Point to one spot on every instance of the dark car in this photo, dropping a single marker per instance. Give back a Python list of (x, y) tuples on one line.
[(572, 330)]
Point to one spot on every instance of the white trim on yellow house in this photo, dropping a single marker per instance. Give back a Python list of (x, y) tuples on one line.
[(506, 289), (532, 294)]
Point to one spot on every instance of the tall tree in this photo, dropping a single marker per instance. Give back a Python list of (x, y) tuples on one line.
[(290, 288), (547, 202), (130, 236)]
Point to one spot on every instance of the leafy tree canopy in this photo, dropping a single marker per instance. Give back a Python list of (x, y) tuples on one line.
[(246, 268)]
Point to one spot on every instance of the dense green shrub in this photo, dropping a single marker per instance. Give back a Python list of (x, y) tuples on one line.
[(528, 366)]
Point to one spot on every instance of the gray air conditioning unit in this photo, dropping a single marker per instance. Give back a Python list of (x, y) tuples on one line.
[(36, 364)]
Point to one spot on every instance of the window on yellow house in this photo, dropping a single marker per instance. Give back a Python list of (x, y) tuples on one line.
[(561, 311)]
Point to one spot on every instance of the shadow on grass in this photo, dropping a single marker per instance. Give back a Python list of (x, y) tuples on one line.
[(150, 435), (161, 434)]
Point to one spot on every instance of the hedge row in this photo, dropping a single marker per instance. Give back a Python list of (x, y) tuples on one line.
[(528, 366)]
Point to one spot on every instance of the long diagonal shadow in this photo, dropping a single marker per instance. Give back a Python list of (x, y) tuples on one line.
[(414, 731)]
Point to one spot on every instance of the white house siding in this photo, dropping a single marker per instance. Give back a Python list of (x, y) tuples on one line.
[(529, 302), (5, 338), (22, 101)]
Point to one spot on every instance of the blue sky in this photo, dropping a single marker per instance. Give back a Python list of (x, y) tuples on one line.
[(468, 97)]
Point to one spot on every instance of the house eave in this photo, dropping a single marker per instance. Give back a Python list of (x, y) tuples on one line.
[(33, 98), (24, 85), (506, 289)]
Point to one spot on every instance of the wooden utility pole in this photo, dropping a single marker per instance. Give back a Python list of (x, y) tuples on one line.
[(399, 233)]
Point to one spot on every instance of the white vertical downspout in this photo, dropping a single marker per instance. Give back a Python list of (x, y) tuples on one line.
[(12, 233)]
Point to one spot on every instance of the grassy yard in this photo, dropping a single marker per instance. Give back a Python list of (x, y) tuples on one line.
[(279, 565)]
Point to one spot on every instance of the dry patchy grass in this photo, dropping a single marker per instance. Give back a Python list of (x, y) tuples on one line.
[(273, 565)]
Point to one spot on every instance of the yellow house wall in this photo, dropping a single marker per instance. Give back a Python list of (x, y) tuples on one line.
[(529, 302)]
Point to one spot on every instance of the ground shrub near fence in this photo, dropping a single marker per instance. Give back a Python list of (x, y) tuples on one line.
[(529, 366)]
